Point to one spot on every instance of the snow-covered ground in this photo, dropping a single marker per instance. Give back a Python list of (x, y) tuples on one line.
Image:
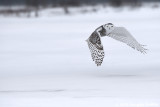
[(45, 61)]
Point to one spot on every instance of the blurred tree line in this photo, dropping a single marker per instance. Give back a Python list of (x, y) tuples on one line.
[(35, 5), (66, 2)]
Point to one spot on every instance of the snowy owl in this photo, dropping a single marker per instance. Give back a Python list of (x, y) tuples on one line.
[(118, 33)]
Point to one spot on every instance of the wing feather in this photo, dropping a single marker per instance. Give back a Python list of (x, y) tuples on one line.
[(122, 35), (96, 48)]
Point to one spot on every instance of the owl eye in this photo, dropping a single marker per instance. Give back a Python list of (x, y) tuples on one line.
[(107, 26), (111, 26)]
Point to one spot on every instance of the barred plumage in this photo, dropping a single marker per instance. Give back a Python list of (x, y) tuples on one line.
[(97, 55)]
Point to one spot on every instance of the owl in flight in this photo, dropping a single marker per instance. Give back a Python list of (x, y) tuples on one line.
[(118, 33)]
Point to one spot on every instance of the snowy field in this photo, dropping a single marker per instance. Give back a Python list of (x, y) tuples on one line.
[(45, 61)]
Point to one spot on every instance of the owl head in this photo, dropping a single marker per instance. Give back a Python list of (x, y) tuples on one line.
[(109, 27)]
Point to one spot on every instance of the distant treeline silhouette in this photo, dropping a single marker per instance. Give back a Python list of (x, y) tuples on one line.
[(68, 2), (30, 6)]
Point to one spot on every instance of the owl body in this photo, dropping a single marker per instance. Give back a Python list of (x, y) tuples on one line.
[(117, 33), (103, 31)]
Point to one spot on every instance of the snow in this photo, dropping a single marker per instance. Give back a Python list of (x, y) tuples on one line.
[(45, 61)]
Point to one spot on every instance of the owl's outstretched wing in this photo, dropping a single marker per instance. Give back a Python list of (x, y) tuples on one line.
[(96, 48), (121, 34)]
